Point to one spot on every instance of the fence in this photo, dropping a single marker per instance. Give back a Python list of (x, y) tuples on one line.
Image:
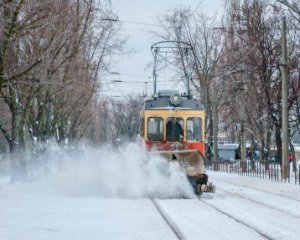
[(271, 171)]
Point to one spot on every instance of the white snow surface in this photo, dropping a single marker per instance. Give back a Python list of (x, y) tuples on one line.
[(71, 203)]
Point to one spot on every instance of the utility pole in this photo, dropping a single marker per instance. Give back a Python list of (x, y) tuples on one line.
[(284, 72), (215, 124), (243, 113), (242, 118)]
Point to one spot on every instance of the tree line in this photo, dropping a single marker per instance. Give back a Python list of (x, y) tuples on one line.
[(54, 56), (237, 70)]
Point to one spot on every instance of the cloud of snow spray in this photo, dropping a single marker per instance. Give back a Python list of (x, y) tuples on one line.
[(127, 172)]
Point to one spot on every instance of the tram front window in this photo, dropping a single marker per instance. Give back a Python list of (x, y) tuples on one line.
[(193, 129), (155, 129), (174, 129)]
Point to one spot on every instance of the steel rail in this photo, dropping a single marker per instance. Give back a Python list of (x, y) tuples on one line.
[(264, 235), (265, 191), (238, 195), (175, 229)]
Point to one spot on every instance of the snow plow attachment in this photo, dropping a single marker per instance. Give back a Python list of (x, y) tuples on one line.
[(192, 162)]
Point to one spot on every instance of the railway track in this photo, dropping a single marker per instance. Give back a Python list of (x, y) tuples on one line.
[(179, 234), (174, 228), (244, 223), (241, 196), (264, 191), (224, 207)]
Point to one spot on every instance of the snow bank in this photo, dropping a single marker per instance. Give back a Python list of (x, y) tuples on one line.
[(129, 172)]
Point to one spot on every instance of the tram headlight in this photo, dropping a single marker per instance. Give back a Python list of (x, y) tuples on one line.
[(176, 99)]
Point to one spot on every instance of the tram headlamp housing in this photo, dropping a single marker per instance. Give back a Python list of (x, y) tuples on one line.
[(176, 99)]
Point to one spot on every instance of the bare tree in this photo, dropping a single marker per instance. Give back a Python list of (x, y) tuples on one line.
[(260, 44), (53, 55), (125, 117), (293, 6), (202, 33)]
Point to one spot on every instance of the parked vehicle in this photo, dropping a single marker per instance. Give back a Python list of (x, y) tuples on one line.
[(223, 159), (274, 159)]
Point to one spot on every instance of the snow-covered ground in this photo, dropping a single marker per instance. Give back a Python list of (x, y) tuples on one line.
[(242, 208)]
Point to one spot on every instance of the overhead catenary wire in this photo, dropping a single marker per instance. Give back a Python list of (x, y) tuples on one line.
[(139, 82), (141, 23), (135, 75), (162, 24), (132, 75), (131, 22), (196, 8), (229, 72)]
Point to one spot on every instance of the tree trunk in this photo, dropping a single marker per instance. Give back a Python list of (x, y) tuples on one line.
[(293, 156), (278, 142), (18, 163)]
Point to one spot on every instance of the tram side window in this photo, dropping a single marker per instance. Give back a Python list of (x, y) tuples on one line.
[(155, 129), (194, 132)]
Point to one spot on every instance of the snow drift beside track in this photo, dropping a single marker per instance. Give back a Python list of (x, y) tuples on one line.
[(127, 172)]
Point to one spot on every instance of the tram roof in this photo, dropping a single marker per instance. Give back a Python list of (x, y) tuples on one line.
[(161, 100)]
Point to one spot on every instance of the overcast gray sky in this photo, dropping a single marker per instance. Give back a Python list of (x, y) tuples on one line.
[(133, 67)]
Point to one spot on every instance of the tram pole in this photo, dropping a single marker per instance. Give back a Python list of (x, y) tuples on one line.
[(284, 73)]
